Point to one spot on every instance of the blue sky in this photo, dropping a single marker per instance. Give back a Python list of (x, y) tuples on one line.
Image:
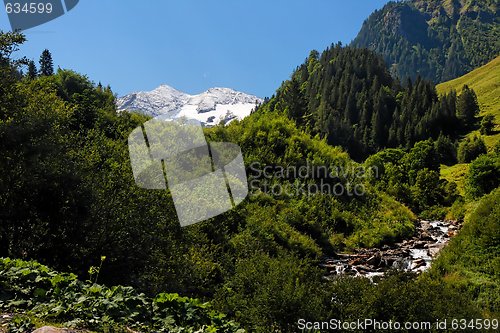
[(192, 45)]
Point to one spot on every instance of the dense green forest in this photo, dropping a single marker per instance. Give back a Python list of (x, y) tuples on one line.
[(348, 97), (69, 201), (438, 39)]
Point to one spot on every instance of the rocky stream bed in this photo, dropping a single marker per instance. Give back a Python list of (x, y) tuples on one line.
[(415, 254)]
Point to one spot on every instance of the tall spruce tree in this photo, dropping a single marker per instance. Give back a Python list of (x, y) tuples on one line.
[(467, 106), (32, 70), (46, 64)]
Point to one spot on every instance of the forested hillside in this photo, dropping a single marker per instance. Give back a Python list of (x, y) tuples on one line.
[(437, 39), (348, 97)]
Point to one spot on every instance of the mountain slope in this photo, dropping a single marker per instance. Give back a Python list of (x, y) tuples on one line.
[(485, 82), (210, 107), (437, 39), (470, 262)]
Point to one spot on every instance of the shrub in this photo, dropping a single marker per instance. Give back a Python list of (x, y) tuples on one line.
[(457, 210), (398, 297), (487, 124), (446, 150), (483, 175), (269, 294), (426, 191), (471, 148), (434, 213)]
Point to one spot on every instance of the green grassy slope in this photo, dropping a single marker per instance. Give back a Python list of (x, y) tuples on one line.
[(486, 83), (456, 173)]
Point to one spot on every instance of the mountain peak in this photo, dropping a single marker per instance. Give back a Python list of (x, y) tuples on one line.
[(215, 105)]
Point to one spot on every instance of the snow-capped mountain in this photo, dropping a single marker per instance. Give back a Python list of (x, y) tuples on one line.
[(210, 107)]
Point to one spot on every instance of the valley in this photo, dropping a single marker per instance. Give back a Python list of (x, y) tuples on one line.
[(406, 229)]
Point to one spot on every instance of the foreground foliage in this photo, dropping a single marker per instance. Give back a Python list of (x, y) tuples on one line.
[(44, 294)]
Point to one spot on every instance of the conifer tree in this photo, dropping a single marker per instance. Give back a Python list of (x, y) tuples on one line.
[(467, 106), (46, 64), (32, 70)]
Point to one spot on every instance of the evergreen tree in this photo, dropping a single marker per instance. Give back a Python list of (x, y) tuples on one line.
[(32, 70), (467, 106), (297, 105), (46, 64)]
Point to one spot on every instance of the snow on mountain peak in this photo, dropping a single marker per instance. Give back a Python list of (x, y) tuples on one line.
[(210, 107)]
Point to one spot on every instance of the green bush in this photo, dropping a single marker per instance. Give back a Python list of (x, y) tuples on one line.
[(398, 297), (487, 124), (446, 150), (434, 213), (458, 210), (269, 294), (426, 190), (471, 148), (483, 175)]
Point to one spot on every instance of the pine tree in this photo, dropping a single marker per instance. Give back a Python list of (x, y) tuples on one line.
[(467, 106), (32, 70), (46, 64), (297, 105)]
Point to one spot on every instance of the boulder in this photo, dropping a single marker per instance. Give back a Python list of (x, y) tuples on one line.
[(420, 245), (417, 264), (425, 236), (434, 249), (355, 261), (390, 261), (374, 260)]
